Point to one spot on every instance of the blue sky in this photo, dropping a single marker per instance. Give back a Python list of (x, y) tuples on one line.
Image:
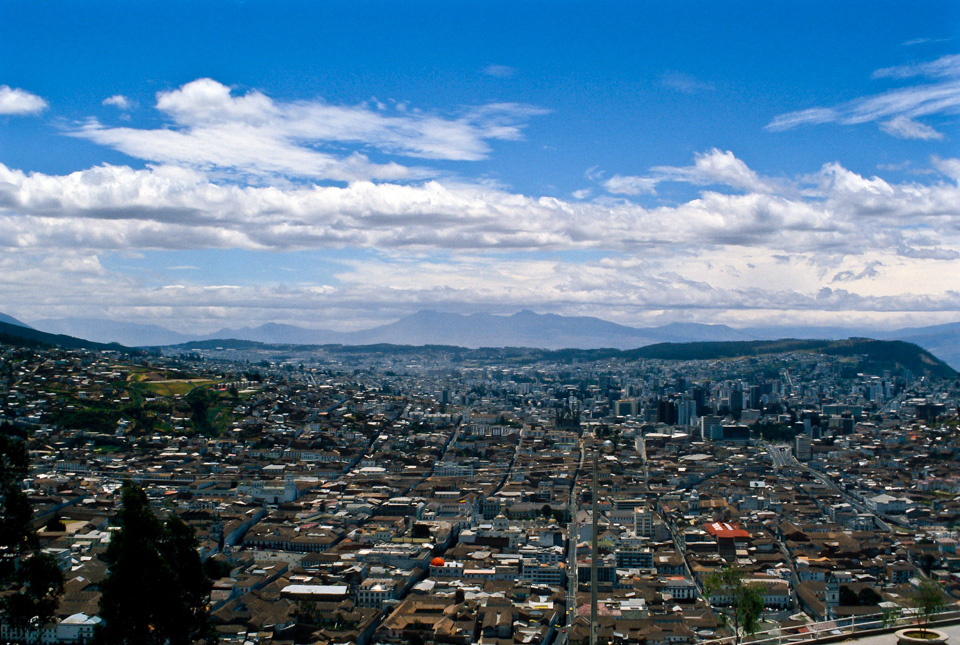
[(339, 164)]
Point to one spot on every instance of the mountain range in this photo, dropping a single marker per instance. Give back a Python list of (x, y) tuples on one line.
[(522, 329)]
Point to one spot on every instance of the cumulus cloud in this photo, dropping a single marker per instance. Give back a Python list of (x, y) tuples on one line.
[(212, 128), (715, 167), (118, 101), (895, 110), (17, 102), (948, 167), (116, 207)]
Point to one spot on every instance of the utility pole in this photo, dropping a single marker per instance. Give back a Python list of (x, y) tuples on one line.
[(594, 548), (572, 564)]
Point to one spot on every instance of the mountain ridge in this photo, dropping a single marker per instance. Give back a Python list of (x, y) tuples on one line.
[(22, 335), (10, 320), (524, 328)]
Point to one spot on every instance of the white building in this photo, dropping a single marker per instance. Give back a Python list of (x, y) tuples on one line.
[(374, 592), (78, 628), (884, 503), (643, 522)]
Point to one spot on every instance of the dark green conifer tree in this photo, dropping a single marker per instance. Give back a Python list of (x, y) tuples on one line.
[(155, 590), (33, 579)]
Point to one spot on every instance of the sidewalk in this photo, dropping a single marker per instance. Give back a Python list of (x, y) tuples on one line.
[(953, 631)]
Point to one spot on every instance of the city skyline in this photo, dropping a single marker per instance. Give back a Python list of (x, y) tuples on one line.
[(339, 167)]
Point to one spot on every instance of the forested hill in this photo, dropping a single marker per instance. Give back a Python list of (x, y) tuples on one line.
[(872, 355), (27, 337)]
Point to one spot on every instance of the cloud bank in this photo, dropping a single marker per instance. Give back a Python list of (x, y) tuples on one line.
[(824, 245)]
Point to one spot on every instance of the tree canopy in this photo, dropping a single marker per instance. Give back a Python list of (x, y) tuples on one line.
[(33, 578), (15, 510), (746, 600), (928, 600), (155, 590), (35, 603)]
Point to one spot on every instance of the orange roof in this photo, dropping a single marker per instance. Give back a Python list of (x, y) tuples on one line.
[(726, 530)]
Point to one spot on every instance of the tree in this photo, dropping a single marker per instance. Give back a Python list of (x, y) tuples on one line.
[(37, 582), (746, 600), (200, 400), (890, 616), (868, 597), (55, 524), (15, 532), (420, 531), (927, 562), (15, 510), (848, 597), (36, 602), (155, 590), (215, 568), (928, 600)]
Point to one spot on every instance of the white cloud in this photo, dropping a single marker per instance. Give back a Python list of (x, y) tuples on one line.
[(715, 167), (685, 83), (14, 101), (631, 185), (750, 286), (118, 101), (834, 210), (948, 167), (810, 116), (944, 67), (896, 110), (253, 134), (923, 41), (772, 246), (244, 150), (905, 128), (500, 71)]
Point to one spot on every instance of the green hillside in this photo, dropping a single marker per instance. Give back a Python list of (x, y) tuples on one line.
[(870, 355)]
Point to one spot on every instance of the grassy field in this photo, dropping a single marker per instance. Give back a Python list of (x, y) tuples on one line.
[(175, 387)]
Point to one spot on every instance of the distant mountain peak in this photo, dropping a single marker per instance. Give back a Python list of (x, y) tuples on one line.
[(10, 320)]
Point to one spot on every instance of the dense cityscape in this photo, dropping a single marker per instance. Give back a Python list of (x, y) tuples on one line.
[(326, 322), (402, 495)]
